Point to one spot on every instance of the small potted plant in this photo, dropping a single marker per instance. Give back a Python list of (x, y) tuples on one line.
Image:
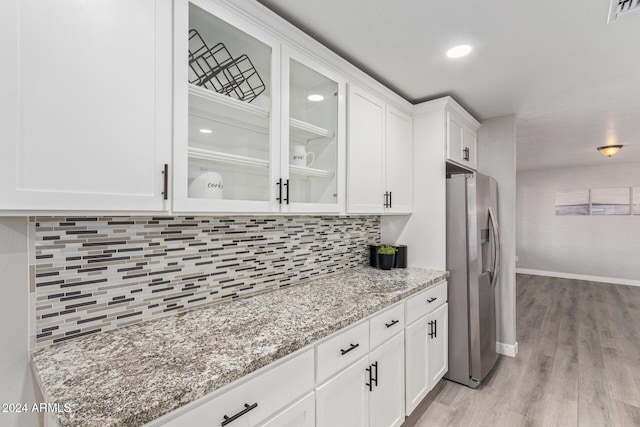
[(386, 256)]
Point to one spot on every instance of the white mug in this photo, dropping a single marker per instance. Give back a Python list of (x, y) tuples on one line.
[(300, 157), (208, 185)]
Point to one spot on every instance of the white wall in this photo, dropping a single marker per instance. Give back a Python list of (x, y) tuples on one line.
[(497, 158), (16, 384), (601, 246), (424, 232)]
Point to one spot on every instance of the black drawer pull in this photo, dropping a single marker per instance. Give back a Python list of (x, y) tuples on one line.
[(430, 300), (343, 352), (393, 322), (246, 409)]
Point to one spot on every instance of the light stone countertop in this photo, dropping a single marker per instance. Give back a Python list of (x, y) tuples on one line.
[(133, 375)]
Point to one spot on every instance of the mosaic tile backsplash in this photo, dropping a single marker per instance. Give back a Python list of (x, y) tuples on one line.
[(95, 274)]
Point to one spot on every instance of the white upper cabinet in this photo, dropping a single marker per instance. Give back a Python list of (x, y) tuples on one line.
[(226, 114), (365, 153), (399, 162), (461, 139), (379, 160), (313, 130), (259, 127), (85, 111)]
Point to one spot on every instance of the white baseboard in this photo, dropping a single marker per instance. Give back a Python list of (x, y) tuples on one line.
[(510, 350), (601, 279)]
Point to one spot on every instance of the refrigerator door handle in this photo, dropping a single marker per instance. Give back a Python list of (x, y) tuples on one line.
[(496, 243)]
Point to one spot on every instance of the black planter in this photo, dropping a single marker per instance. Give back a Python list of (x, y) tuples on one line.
[(401, 256), (386, 261), (373, 256)]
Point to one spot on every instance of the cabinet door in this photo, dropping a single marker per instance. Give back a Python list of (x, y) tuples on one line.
[(85, 111), (417, 368), (454, 139), (469, 143), (313, 131), (300, 414), (226, 125), (365, 145), (438, 344), (343, 401), (399, 161), (387, 396)]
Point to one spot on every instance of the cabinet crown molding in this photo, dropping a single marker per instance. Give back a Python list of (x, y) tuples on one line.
[(449, 103)]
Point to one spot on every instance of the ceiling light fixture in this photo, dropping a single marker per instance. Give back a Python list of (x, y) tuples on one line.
[(206, 130), (315, 97), (459, 51), (609, 150)]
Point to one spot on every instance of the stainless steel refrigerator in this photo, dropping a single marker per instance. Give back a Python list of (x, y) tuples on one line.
[(473, 260)]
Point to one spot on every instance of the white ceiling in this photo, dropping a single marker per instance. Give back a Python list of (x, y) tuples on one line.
[(572, 79)]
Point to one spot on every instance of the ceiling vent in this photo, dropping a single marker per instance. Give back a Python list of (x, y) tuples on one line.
[(621, 8)]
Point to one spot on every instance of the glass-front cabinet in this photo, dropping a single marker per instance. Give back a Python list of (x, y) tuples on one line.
[(256, 127), (313, 133)]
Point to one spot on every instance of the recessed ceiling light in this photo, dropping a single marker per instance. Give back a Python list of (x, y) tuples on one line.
[(206, 130), (459, 51), (315, 97)]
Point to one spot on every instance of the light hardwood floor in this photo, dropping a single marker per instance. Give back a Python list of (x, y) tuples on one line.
[(578, 364)]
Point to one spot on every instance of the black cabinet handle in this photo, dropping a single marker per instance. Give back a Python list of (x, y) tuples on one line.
[(430, 300), (466, 153), (279, 198), (431, 333), (435, 328), (343, 352), (390, 204), (165, 173), (375, 379), (372, 380), (286, 184), (246, 409), (393, 322)]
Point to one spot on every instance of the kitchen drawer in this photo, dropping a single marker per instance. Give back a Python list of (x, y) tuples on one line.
[(341, 350), (256, 399), (425, 302), (386, 324)]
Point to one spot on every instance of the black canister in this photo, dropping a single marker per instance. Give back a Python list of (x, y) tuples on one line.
[(373, 256), (401, 256)]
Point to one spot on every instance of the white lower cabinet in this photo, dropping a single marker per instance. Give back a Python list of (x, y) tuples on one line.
[(438, 344), (301, 414), (386, 400), (344, 399), (368, 393), (368, 374), (426, 354)]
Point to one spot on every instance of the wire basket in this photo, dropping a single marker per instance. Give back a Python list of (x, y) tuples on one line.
[(214, 68), (248, 82)]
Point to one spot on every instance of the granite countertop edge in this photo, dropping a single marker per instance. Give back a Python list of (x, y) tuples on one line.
[(170, 401)]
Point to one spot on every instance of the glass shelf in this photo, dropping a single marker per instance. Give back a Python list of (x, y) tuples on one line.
[(210, 103), (306, 131), (236, 160)]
